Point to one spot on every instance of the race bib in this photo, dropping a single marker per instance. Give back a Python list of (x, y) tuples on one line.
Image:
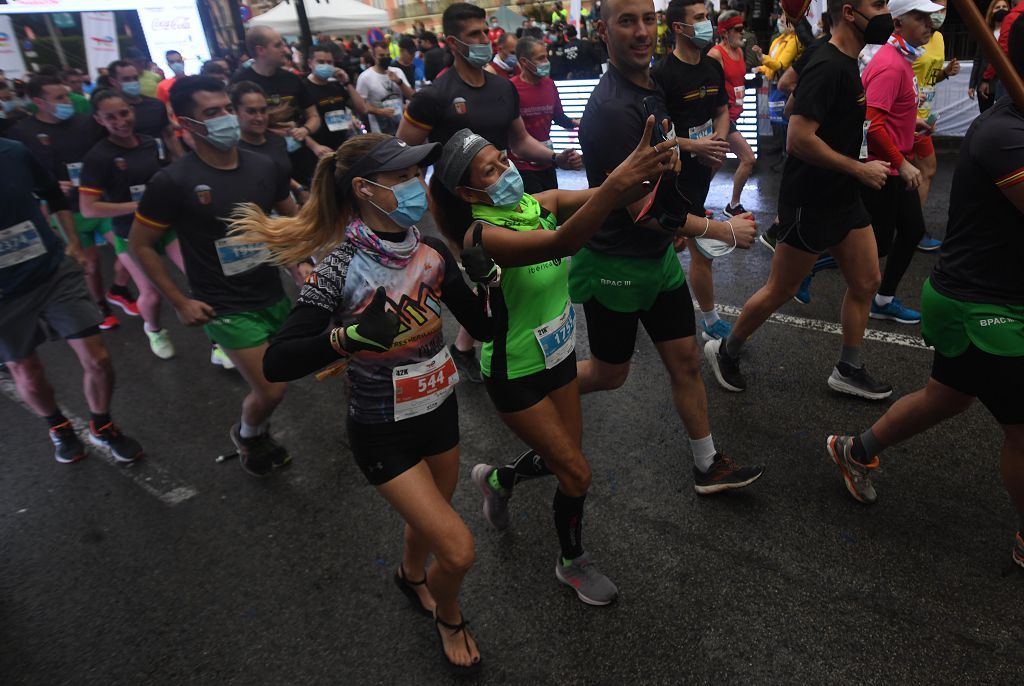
[(393, 102), (701, 131), (238, 258), (20, 243), (137, 191), (75, 173), (338, 120), (421, 388), (926, 97), (864, 140), (160, 149), (739, 92), (557, 338)]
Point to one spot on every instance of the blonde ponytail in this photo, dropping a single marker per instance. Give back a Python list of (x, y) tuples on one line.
[(319, 226)]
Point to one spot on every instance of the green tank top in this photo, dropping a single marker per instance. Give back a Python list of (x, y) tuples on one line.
[(529, 302)]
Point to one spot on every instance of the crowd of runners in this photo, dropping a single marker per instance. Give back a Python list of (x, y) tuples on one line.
[(232, 176)]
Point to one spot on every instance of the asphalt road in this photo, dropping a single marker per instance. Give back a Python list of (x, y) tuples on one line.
[(179, 570)]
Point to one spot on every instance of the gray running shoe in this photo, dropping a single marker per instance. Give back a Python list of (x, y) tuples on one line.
[(856, 476), (592, 587), (856, 381), (495, 503)]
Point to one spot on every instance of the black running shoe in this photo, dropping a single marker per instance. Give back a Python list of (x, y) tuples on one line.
[(734, 210), (68, 447), (122, 448), (727, 370), (724, 475), (770, 238), (469, 366), (259, 455), (856, 381)]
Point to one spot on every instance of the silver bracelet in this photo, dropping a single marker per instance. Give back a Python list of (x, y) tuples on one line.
[(729, 222), (707, 226)]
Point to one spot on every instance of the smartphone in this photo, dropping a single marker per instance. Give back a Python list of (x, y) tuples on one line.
[(650, 104)]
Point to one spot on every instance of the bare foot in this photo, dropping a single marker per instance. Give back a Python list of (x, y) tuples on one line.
[(426, 599), (459, 645)]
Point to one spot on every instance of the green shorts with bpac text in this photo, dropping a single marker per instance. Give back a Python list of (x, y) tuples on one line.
[(88, 229), (248, 329), (166, 238), (951, 326), (623, 284)]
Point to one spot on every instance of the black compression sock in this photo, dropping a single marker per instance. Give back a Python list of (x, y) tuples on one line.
[(100, 420), (527, 466), (55, 419), (122, 291), (569, 523), (865, 447)]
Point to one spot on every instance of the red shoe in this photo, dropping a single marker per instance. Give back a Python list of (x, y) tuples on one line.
[(109, 322), (129, 306)]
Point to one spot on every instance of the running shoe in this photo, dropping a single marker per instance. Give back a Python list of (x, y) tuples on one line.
[(122, 448), (130, 307), (856, 381), (734, 210), (726, 369), (160, 343), (1018, 548), (109, 322), (719, 330), (895, 311), (68, 447), (592, 587), (220, 358), (770, 238), (724, 475), (469, 367), (803, 294), (259, 455), (856, 476), (929, 244), (495, 502)]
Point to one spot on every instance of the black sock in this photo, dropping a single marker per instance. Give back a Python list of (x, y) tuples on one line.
[(569, 523), (527, 466), (104, 308), (55, 419), (122, 291), (100, 420)]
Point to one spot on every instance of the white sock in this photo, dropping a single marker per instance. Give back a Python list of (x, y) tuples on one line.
[(704, 452), (883, 300), (250, 431), (710, 317), (150, 329)]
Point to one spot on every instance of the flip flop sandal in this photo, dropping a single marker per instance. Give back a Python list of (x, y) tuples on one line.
[(456, 670), (407, 587)]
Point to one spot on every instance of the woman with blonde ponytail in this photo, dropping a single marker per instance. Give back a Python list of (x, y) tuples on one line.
[(385, 283)]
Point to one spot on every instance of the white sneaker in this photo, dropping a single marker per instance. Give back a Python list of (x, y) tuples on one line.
[(160, 343), (220, 358)]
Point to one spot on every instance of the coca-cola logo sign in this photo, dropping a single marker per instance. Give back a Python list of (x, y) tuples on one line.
[(172, 24)]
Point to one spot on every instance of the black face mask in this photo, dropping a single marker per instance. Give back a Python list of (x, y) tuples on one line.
[(878, 29), (385, 62), (999, 15)]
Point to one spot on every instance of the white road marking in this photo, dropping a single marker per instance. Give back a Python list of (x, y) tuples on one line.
[(148, 475)]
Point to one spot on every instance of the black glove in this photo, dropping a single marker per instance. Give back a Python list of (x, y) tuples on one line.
[(480, 268), (374, 329), (667, 205)]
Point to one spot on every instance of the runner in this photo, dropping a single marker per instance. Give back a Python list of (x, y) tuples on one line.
[(385, 91), (539, 105), (335, 97), (466, 96), (114, 176), (729, 53), (150, 114), (42, 291), (694, 87), (505, 61), (250, 105), (59, 139), (237, 299), (403, 418), (629, 273), (177, 64), (973, 309), (530, 367), (820, 206)]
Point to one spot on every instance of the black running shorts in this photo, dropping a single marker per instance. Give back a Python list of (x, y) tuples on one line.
[(994, 380), (816, 229), (514, 395), (612, 334), (383, 451)]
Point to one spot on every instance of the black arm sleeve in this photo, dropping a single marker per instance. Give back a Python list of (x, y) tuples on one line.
[(301, 347), (468, 307)]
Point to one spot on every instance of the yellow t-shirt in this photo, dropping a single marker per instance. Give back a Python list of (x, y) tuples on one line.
[(660, 47), (148, 81), (927, 70)]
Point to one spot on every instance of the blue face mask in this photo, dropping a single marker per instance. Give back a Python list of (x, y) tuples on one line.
[(508, 190), (132, 89), (221, 132), (478, 54), (9, 105), (178, 68), (64, 111), (542, 69), (703, 33), (411, 197), (323, 71)]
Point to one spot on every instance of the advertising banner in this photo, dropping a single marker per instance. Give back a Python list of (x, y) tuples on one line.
[(100, 35), (10, 56), (175, 28)]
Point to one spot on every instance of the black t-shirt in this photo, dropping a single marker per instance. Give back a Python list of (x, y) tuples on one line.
[(287, 97), (808, 53), (433, 63), (612, 125), (276, 150), (450, 104), (579, 57), (831, 93), (194, 199), (150, 117), (409, 71), (556, 56), (982, 258), (117, 174), (58, 145), (332, 99)]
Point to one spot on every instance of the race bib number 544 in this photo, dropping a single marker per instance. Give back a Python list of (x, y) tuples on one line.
[(421, 388)]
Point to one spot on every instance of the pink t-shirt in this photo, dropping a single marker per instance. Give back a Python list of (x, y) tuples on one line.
[(889, 86)]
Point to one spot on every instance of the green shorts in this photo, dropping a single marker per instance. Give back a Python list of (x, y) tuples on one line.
[(121, 244), (623, 284), (248, 329), (88, 229), (951, 326)]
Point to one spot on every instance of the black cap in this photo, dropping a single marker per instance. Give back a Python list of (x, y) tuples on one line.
[(391, 155)]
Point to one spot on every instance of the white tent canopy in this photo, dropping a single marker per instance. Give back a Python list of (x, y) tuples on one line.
[(333, 16)]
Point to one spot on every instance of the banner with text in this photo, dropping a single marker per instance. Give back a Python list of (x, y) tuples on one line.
[(11, 60), (100, 35), (175, 28)]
